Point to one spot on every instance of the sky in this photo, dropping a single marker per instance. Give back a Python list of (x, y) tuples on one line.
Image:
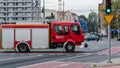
[(80, 7)]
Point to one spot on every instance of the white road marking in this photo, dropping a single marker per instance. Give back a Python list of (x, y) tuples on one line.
[(52, 61), (62, 65), (19, 58)]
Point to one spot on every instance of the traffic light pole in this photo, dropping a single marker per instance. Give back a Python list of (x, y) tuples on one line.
[(109, 45), (109, 18)]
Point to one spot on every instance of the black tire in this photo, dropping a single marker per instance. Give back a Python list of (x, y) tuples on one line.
[(22, 47), (97, 40), (69, 47), (85, 45), (54, 46)]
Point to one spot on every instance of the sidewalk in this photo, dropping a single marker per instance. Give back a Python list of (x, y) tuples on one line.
[(115, 64)]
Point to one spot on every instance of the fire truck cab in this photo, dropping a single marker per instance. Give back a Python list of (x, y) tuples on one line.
[(66, 35)]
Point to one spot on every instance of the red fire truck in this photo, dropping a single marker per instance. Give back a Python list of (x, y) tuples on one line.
[(24, 37)]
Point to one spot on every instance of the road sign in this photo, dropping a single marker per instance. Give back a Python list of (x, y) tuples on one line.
[(108, 18)]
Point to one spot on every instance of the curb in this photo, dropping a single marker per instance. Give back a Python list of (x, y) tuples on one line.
[(99, 65)]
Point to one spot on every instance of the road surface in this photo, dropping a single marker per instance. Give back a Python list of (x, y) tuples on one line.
[(95, 53)]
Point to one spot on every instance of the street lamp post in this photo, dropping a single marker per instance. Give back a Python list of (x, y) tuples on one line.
[(32, 10), (63, 11), (6, 20), (44, 10)]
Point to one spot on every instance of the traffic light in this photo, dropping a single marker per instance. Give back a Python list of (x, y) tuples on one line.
[(108, 7)]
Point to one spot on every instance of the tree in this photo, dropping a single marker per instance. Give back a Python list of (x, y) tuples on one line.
[(116, 21), (51, 17), (83, 17), (92, 22), (116, 11)]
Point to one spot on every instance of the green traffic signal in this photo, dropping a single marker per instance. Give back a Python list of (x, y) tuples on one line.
[(108, 7), (108, 10)]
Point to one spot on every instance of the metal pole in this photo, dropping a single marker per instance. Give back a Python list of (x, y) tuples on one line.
[(44, 10), (109, 45), (118, 33), (63, 11), (39, 11), (6, 12), (32, 10)]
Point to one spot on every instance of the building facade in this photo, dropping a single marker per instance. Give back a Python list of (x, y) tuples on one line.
[(67, 16), (19, 10), (49, 13)]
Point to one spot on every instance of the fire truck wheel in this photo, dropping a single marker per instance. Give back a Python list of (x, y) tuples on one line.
[(69, 47), (22, 47)]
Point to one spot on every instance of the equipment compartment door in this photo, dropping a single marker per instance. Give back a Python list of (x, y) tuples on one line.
[(8, 38), (22, 35)]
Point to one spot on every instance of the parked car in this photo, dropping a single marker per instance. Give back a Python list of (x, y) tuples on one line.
[(92, 37)]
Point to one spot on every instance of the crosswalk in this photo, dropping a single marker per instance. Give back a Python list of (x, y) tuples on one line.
[(114, 50), (58, 65)]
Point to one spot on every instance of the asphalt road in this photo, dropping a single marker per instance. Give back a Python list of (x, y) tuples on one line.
[(27, 60), (8, 59)]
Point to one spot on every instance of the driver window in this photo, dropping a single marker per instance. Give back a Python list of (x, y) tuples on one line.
[(58, 29)]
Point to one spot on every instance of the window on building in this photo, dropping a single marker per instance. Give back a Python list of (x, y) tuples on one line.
[(24, 3), (16, 3), (13, 8), (13, 3), (8, 18), (16, 13), (13, 18), (4, 14), (4, 18), (16, 18), (7, 14), (13, 13), (16, 8), (4, 9), (25, 8), (4, 4), (7, 3), (23, 18), (22, 8), (24, 14)]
